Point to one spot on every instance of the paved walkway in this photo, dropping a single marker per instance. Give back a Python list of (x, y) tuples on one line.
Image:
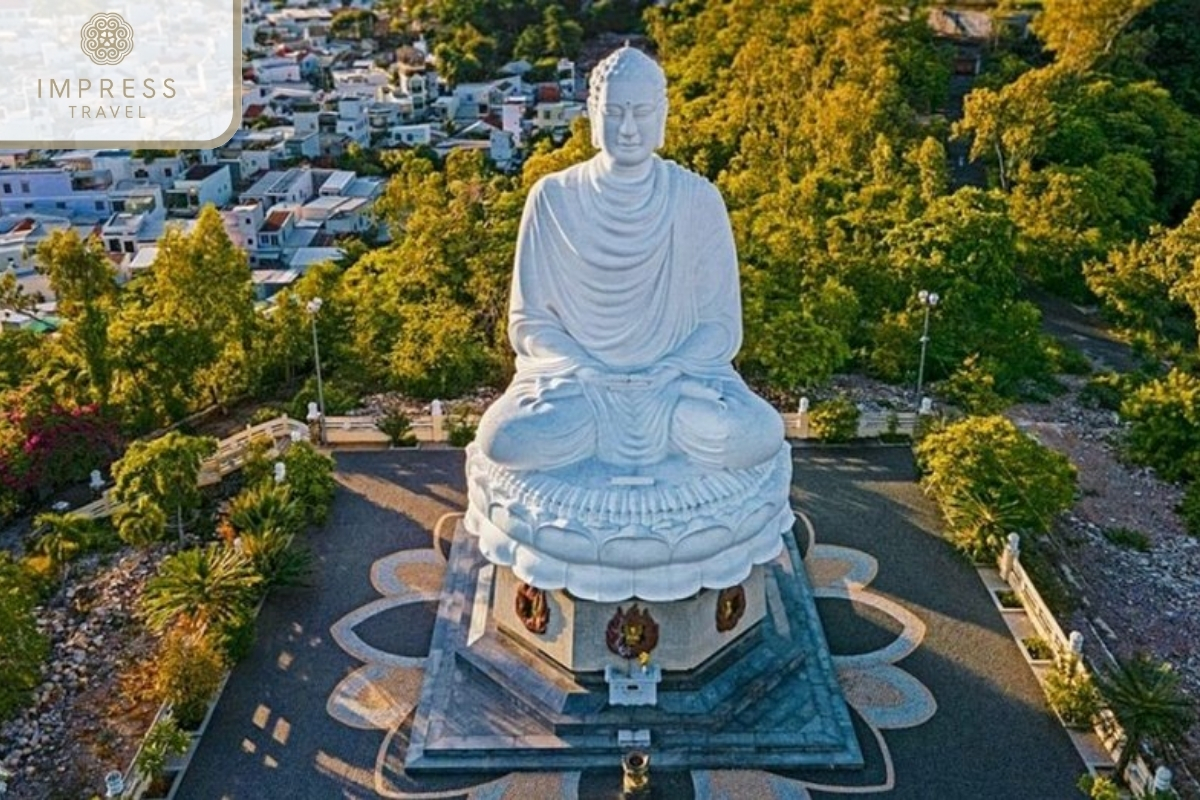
[(316, 710)]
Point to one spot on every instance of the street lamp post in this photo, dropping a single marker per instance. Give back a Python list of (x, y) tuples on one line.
[(313, 307), (929, 300)]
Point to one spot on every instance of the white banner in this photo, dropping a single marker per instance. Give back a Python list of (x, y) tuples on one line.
[(100, 73)]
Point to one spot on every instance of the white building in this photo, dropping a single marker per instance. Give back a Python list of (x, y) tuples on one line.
[(293, 187), (77, 194), (201, 185)]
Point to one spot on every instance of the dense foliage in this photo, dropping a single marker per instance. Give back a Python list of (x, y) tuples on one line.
[(22, 646), (157, 479), (990, 480), (1164, 432), (45, 444)]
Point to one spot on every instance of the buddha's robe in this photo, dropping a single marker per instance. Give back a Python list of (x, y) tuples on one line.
[(625, 316)]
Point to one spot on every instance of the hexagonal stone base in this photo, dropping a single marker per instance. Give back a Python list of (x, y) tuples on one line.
[(489, 702), (575, 630)]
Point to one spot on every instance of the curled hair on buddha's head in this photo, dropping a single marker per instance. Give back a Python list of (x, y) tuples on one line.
[(627, 63)]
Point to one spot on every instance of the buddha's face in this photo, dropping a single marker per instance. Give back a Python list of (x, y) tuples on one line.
[(628, 121)]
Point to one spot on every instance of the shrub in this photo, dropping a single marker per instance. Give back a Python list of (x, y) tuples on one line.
[(834, 420), (45, 445), (972, 387), (1009, 599), (236, 636), (461, 431), (65, 537), (258, 465), (1098, 787), (275, 557), (1038, 648), (141, 523), (1072, 694), (265, 507), (190, 668), (339, 399), (990, 479), (163, 740), (1106, 390), (1189, 509), (310, 480), (1065, 359), (398, 428), (267, 414), (25, 647), (1164, 433), (1128, 538)]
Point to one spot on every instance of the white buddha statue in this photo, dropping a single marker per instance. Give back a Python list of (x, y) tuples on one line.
[(627, 457), (625, 311)]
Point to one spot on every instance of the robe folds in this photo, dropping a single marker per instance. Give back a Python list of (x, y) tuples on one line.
[(626, 281)]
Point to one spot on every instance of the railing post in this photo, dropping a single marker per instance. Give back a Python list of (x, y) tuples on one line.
[(1010, 555), (803, 412)]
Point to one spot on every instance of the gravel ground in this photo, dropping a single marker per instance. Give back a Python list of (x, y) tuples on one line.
[(1131, 601), (92, 708)]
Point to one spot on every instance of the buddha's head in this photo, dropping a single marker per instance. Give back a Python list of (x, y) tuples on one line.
[(627, 104)]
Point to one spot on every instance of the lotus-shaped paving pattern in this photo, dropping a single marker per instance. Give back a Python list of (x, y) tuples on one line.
[(383, 693)]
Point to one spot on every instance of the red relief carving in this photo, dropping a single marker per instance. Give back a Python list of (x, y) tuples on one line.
[(532, 608), (731, 605), (631, 633)]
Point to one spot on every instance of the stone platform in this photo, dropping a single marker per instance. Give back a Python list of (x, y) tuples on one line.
[(490, 703)]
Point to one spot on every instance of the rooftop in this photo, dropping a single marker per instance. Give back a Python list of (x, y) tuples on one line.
[(275, 220), (199, 172)]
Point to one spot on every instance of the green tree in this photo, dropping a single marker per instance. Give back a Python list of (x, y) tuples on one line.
[(1080, 32), (159, 474), (85, 288), (1148, 701), (20, 355), (991, 479), (199, 590), (183, 338), (1164, 425), (1151, 288), (466, 55), (962, 247), (429, 312)]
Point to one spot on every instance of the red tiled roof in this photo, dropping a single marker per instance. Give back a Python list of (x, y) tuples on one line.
[(254, 110), (274, 221)]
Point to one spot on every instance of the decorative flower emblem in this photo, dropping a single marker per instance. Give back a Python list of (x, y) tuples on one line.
[(106, 38)]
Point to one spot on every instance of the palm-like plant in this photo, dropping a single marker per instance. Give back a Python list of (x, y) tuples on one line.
[(66, 536), (200, 588), (979, 527), (265, 507), (1146, 698), (276, 558)]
